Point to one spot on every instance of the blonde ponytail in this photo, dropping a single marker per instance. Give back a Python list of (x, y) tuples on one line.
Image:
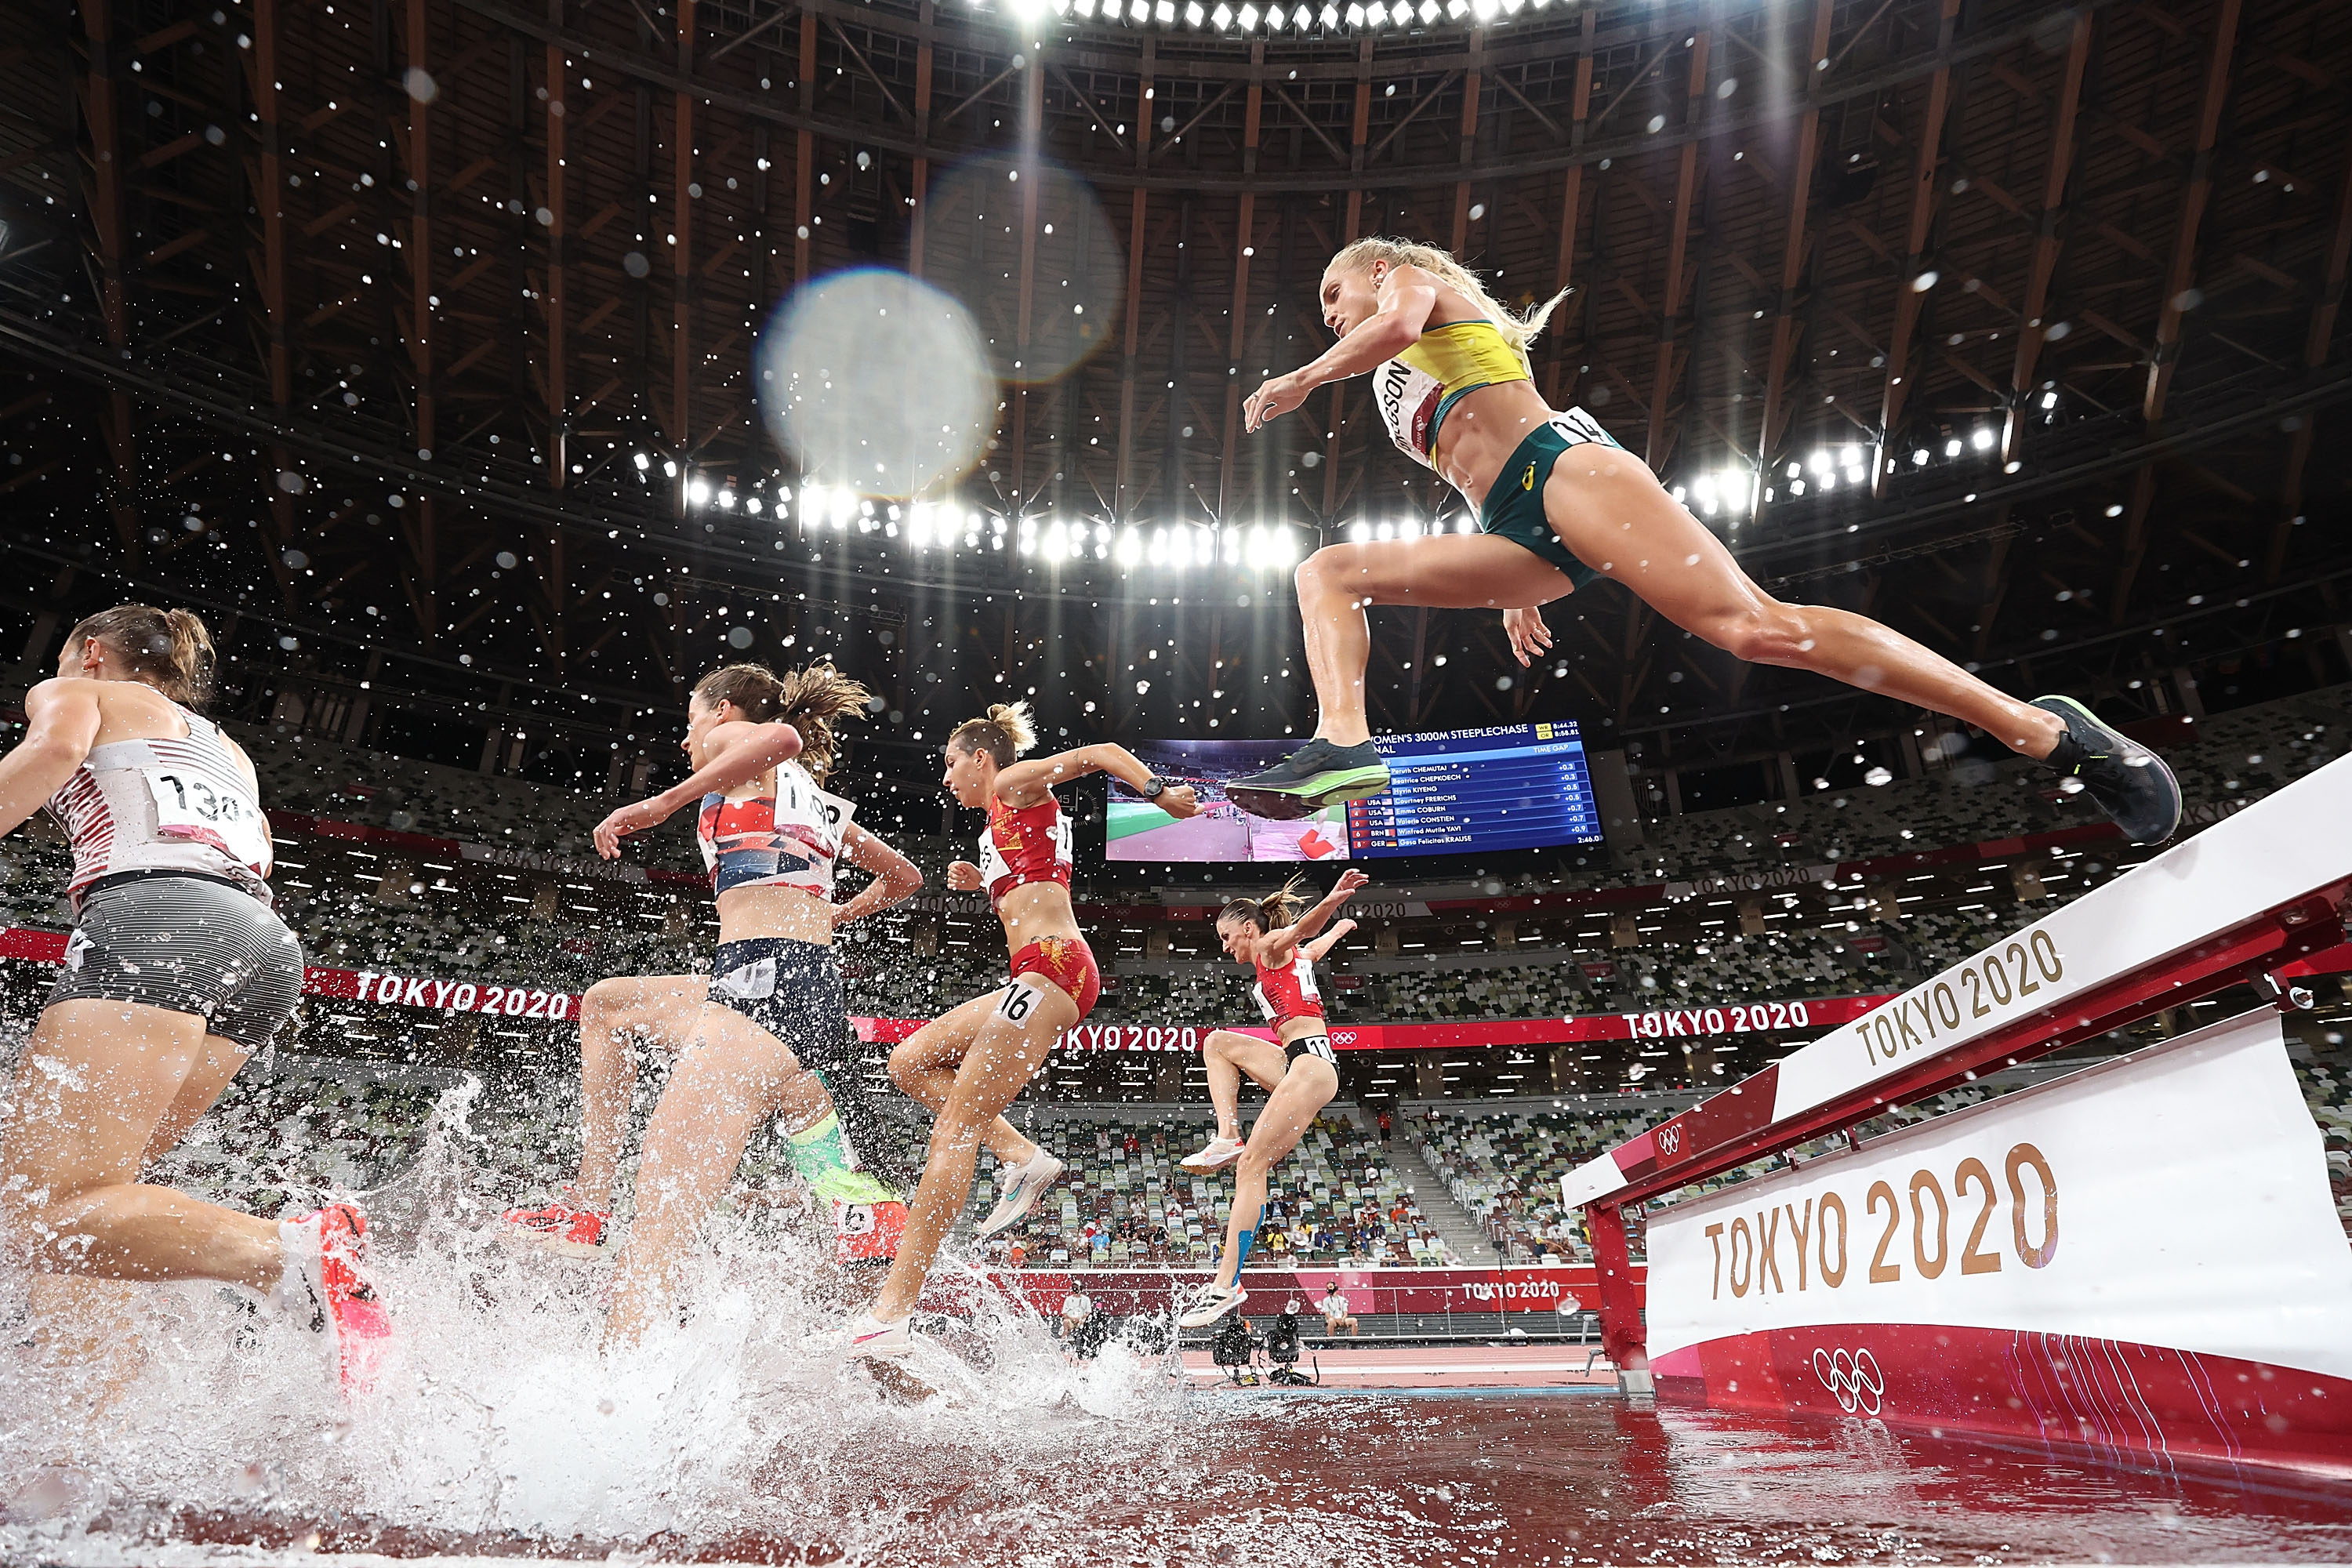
[(1008, 731), (169, 649), (1519, 331)]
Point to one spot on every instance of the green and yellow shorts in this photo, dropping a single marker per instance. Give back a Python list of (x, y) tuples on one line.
[(1515, 505)]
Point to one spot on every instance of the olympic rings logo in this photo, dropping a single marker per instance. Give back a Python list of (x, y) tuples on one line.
[(1670, 1137), (1853, 1378), (1342, 1036)]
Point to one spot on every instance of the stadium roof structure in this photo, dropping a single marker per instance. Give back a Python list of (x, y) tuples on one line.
[(423, 335)]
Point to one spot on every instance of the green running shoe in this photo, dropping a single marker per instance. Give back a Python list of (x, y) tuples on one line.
[(2129, 782), (1316, 775)]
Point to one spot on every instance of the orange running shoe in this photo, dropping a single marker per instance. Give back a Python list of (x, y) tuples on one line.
[(868, 1232), (326, 1253), (560, 1227)]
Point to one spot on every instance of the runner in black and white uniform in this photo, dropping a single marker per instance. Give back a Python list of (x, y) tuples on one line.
[(1298, 1068), (177, 970), (767, 1036)]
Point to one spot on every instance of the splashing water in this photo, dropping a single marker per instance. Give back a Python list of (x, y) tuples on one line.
[(495, 1414)]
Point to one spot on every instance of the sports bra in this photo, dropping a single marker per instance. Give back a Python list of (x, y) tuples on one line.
[(1030, 843), (166, 804), (1415, 389), (1289, 991), (788, 838)]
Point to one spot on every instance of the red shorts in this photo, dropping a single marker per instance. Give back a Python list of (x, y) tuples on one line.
[(1068, 962)]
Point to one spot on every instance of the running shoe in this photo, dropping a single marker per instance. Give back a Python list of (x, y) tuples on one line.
[(1316, 775), (326, 1290), (872, 1340), (2130, 782), (868, 1232), (1213, 1302), (1220, 1151), (560, 1228), (1019, 1193)]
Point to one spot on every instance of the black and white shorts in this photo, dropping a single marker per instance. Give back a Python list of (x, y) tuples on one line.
[(187, 944), (1317, 1044), (791, 989)]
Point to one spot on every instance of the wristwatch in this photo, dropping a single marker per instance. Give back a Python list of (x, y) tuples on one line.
[(1153, 788)]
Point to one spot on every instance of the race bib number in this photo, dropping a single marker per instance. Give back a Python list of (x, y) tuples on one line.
[(188, 805), (1017, 1002), (1316, 1045)]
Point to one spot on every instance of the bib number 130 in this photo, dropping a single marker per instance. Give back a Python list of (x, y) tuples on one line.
[(187, 806)]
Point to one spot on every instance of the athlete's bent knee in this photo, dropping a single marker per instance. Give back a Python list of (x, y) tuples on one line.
[(1771, 632), (607, 997)]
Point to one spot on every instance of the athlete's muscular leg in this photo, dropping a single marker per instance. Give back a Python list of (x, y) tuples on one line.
[(1612, 512), (924, 1065), (663, 1005), (1002, 1059), (1219, 1055), (1444, 571), (1293, 1098)]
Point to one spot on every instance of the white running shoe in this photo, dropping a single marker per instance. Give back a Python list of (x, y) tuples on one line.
[(873, 1340), (1220, 1151), (1019, 1194), (1213, 1302)]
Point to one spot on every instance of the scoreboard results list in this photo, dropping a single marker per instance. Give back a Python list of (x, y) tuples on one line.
[(1514, 786)]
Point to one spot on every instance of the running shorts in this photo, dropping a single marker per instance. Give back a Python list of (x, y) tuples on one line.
[(1069, 964), (1317, 1044), (1515, 505), (186, 943), (792, 991)]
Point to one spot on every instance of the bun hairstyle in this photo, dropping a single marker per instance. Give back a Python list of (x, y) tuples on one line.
[(169, 649), (1007, 731), (811, 700), (1517, 330), (1272, 913)]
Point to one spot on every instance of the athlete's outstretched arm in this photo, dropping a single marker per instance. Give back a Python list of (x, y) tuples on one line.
[(1408, 295), (60, 721), (1328, 941), (1029, 783), (740, 753), (895, 875), (1276, 948)]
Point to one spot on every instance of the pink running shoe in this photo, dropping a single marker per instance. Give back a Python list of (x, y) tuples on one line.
[(562, 1228), (326, 1253)]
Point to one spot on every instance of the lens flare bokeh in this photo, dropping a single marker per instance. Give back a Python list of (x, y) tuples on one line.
[(876, 383)]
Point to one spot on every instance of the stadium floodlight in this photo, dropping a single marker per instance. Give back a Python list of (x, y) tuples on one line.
[(1222, 18), (1952, 447), (1250, 17), (1919, 457), (727, 499), (1330, 15), (642, 462), (1360, 532), (1165, 10), (1982, 439), (697, 492), (1851, 457), (1428, 12), (1355, 15), (1466, 524), (1131, 546)]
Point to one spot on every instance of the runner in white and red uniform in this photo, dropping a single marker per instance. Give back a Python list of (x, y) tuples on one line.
[(969, 1064), (1280, 946), (177, 970)]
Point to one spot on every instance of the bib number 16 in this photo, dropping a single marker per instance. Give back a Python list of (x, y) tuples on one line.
[(1018, 1002)]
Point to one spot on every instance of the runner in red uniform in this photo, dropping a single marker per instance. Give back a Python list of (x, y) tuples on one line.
[(970, 1063), (1297, 1068)]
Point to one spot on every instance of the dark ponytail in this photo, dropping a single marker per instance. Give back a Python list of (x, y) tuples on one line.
[(811, 700), (169, 649), (1272, 913)]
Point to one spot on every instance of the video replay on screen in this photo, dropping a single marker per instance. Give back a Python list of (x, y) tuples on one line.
[(1514, 786)]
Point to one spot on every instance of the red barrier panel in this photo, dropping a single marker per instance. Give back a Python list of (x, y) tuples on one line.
[(1130, 1293)]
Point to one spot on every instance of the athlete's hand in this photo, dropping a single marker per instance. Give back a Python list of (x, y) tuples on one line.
[(1179, 802), (1349, 880), (963, 877), (629, 819), (1531, 638), (1338, 928), (1278, 395)]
